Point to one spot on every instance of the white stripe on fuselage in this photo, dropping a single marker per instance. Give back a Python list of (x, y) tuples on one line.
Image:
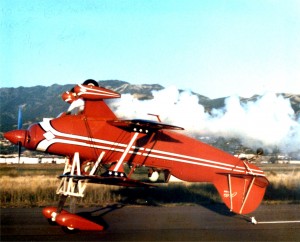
[(120, 147)]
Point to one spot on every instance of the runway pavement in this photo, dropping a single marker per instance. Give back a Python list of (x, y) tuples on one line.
[(155, 223)]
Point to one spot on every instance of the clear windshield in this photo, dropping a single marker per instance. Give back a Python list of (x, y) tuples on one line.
[(76, 107)]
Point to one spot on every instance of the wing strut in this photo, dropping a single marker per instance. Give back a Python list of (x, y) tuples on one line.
[(69, 186), (126, 151), (230, 192), (247, 194)]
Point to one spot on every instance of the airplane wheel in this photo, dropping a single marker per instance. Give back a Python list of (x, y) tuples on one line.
[(91, 82), (51, 222), (69, 230)]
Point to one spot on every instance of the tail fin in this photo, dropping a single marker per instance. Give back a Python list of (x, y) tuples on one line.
[(242, 194)]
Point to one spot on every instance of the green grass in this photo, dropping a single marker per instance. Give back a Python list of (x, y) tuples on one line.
[(35, 185), (15, 170)]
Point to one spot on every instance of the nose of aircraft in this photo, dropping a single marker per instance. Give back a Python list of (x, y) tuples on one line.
[(16, 136)]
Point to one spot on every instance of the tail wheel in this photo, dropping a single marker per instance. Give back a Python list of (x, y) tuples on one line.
[(51, 222), (69, 230)]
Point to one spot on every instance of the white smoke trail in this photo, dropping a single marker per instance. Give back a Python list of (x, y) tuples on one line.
[(173, 107), (268, 122)]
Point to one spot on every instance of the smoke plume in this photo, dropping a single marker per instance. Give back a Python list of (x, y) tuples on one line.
[(268, 122)]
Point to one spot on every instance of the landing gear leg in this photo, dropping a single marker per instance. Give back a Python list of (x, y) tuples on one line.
[(51, 212), (61, 203), (73, 187), (73, 201)]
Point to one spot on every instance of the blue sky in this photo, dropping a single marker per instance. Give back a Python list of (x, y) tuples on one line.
[(214, 47)]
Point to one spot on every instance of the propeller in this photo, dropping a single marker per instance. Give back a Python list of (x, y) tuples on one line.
[(20, 124), (20, 118), (18, 136)]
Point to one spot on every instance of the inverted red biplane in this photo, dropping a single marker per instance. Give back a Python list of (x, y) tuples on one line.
[(92, 137)]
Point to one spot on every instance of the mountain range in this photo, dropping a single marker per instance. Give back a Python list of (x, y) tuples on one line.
[(41, 101)]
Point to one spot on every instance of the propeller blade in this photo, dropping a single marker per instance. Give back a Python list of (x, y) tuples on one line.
[(20, 124), (20, 119)]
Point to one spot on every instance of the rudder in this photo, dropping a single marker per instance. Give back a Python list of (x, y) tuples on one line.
[(242, 194)]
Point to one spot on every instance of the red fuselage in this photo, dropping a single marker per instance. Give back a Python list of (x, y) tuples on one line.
[(186, 158)]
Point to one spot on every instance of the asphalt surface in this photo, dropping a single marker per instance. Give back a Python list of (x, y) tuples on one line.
[(155, 223)]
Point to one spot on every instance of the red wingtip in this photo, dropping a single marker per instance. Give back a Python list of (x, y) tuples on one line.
[(76, 222), (48, 212)]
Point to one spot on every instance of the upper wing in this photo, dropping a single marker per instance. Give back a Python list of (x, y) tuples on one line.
[(141, 125)]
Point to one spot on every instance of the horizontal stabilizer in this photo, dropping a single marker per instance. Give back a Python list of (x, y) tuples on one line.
[(242, 194), (141, 125)]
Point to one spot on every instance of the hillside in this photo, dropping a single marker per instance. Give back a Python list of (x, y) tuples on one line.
[(41, 101)]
